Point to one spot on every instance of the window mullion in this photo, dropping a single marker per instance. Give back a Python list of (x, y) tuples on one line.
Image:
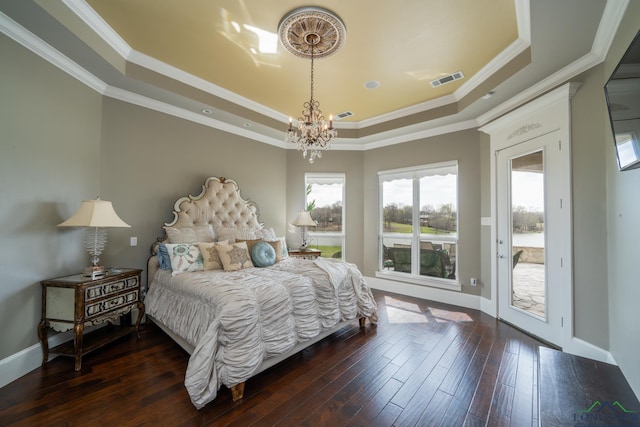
[(415, 221)]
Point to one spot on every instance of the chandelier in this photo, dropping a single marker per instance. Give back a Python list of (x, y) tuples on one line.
[(311, 32)]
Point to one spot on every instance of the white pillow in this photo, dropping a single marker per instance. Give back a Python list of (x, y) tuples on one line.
[(235, 233), (184, 257), (196, 233), (266, 233)]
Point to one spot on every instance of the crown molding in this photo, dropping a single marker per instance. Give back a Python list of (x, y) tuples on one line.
[(89, 16), (172, 110), (25, 38), (611, 17)]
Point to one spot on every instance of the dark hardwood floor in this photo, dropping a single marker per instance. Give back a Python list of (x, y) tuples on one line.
[(425, 364)]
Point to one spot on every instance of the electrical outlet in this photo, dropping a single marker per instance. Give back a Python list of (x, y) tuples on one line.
[(133, 241), (474, 281)]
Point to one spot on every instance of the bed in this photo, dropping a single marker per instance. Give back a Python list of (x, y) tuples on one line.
[(222, 285)]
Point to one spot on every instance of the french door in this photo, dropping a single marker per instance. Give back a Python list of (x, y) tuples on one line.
[(533, 232)]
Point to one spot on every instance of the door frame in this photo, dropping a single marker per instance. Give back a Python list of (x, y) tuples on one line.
[(549, 113)]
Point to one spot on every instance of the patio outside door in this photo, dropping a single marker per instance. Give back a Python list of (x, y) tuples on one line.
[(530, 236)]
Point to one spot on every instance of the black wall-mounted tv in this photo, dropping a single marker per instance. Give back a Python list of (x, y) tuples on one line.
[(623, 101)]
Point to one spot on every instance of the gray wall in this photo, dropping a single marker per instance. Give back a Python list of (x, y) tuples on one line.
[(347, 162), (461, 146), (49, 163), (588, 113), (623, 231), (150, 159)]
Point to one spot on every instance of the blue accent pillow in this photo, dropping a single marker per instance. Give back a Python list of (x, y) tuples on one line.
[(163, 257), (263, 254)]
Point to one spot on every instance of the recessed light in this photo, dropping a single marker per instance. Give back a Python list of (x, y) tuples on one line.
[(247, 125), (488, 95), (372, 84), (206, 111)]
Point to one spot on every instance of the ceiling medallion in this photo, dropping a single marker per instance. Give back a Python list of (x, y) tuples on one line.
[(311, 32), (299, 27)]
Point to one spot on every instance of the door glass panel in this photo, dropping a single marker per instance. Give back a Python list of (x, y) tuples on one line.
[(528, 288)]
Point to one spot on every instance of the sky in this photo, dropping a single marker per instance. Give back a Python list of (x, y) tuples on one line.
[(527, 191)]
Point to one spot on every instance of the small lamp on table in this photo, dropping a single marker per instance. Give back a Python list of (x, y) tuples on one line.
[(95, 216), (304, 220)]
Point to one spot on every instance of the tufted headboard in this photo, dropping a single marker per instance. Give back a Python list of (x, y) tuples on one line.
[(219, 205)]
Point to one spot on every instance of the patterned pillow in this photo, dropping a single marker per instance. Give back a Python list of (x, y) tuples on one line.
[(263, 254), (163, 257), (250, 242), (235, 256), (184, 257), (277, 246), (210, 255)]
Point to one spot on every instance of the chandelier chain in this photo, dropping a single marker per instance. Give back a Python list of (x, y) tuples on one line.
[(313, 133)]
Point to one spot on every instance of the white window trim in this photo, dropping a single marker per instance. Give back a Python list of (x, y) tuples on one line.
[(413, 172), (328, 176)]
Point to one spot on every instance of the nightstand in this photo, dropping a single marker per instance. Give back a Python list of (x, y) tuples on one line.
[(73, 302), (308, 254)]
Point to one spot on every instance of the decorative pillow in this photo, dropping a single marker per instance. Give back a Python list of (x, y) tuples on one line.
[(163, 257), (196, 233), (234, 233), (263, 254), (250, 242), (266, 234), (284, 251), (210, 255), (277, 246), (184, 257), (235, 256)]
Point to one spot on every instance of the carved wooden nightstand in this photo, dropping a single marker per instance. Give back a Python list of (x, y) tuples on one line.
[(74, 302), (308, 254)]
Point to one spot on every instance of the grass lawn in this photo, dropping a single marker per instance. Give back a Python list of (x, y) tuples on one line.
[(327, 251), (406, 228)]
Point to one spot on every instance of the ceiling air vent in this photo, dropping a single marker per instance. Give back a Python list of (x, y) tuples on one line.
[(343, 115), (447, 79)]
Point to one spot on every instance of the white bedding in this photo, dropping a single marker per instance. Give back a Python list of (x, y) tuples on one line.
[(235, 320)]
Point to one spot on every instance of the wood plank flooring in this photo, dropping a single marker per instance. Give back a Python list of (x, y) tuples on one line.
[(424, 364)]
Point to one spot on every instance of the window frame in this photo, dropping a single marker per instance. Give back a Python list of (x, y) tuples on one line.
[(415, 173), (330, 175)]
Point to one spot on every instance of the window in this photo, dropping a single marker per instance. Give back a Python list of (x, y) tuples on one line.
[(325, 200), (419, 223)]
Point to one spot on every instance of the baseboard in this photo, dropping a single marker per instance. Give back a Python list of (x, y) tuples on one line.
[(425, 292), (488, 307), (582, 348), (576, 345), (21, 363)]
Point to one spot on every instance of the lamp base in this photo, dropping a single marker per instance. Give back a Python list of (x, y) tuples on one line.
[(95, 272)]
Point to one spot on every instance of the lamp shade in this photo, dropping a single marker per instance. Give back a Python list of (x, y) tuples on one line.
[(304, 219), (95, 213)]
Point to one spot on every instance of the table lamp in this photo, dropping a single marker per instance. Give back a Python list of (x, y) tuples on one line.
[(304, 220), (95, 216)]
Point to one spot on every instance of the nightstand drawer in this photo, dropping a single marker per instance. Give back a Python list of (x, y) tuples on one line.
[(111, 304), (103, 290)]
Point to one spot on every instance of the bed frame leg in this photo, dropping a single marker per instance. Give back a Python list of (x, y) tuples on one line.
[(362, 321), (237, 391)]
